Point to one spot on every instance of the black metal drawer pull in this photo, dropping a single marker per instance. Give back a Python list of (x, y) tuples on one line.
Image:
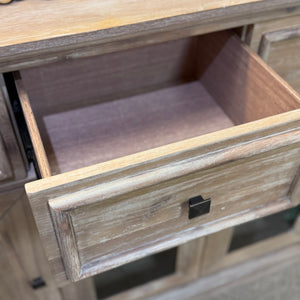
[(198, 206), (37, 283)]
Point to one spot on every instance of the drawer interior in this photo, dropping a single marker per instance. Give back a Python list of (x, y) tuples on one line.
[(96, 109)]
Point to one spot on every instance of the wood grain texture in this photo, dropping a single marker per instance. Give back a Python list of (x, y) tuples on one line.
[(135, 80), (32, 128), (259, 29), (92, 17), (130, 125), (295, 189), (21, 257), (283, 282), (107, 25), (93, 80), (280, 49), (13, 163), (149, 214), (188, 259), (240, 82), (270, 263), (256, 250), (215, 250), (169, 120), (137, 194)]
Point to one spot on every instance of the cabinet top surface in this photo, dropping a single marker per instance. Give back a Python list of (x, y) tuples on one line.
[(35, 20), (32, 31)]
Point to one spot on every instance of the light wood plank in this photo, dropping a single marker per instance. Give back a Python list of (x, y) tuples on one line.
[(119, 128), (188, 260), (202, 145), (92, 17), (236, 78), (110, 24), (33, 129), (83, 195), (295, 189), (139, 229), (170, 120), (250, 110), (215, 251), (93, 80)]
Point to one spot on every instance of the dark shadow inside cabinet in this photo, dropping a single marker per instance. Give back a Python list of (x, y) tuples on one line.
[(135, 274), (263, 228)]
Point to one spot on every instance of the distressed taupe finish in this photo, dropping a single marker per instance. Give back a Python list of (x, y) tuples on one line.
[(51, 31), (108, 214)]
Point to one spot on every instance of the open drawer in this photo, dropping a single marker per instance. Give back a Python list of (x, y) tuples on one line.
[(124, 140)]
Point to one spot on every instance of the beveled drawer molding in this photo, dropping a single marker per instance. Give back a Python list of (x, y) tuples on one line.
[(100, 219), (95, 218)]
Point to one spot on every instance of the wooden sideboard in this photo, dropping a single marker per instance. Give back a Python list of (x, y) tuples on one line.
[(126, 120)]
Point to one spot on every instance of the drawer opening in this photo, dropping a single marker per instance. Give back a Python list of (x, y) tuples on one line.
[(97, 109)]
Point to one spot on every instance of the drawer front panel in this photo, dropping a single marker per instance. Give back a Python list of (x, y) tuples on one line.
[(101, 223), (129, 221)]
